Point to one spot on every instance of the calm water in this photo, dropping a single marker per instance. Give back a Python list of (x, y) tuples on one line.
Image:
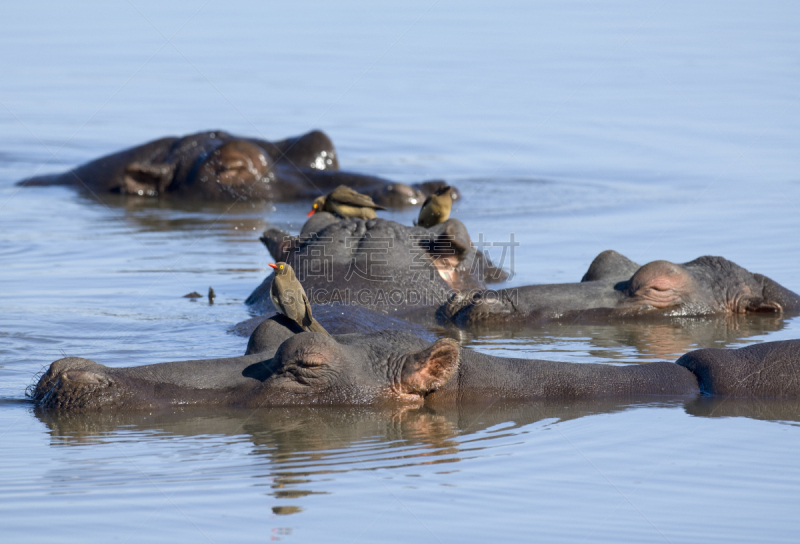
[(663, 130)]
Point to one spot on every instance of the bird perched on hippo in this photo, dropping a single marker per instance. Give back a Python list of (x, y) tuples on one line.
[(289, 298), (436, 208), (344, 202)]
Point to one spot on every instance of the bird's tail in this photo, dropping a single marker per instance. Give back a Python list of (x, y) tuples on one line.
[(316, 327)]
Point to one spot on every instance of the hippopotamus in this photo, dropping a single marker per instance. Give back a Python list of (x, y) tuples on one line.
[(285, 366), (215, 165), (615, 287), (379, 264)]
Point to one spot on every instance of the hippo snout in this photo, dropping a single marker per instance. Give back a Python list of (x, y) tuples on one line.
[(476, 306), (76, 383)]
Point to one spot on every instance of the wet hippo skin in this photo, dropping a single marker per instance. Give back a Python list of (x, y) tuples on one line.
[(379, 264), (616, 288), (287, 367), (218, 166)]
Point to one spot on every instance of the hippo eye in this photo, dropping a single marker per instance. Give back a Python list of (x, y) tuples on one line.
[(312, 359)]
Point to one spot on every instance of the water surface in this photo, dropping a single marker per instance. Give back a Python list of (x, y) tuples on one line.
[(663, 130)]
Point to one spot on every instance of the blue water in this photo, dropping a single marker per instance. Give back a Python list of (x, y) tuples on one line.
[(663, 130)]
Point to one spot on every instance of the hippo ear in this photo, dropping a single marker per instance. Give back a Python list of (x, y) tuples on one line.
[(147, 179), (457, 233), (610, 264), (428, 370), (279, 244)]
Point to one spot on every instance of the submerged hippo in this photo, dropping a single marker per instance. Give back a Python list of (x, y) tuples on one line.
[(284, 367), (379, 264), (616, 287), (215, 165)]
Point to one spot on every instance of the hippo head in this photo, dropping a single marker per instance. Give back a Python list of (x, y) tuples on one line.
[(708, 285), (305, 368), (217, 165), (379, 264), (615, 286), (77, 383), (313, 368)]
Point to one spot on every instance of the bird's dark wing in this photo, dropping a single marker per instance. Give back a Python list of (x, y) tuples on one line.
[(424, 212), (286, 301), (427, 202), (274, 295), (307, 314), (346, 195), (316, 327)]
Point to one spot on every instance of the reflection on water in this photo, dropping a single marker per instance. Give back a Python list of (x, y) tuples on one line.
[(645, 341), (305, 437), (303, 446), (785, 410), (300, 463), (301, 442), (233, 219)]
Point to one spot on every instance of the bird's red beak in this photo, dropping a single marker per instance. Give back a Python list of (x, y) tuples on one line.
[(312, 212), (273, 265)]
